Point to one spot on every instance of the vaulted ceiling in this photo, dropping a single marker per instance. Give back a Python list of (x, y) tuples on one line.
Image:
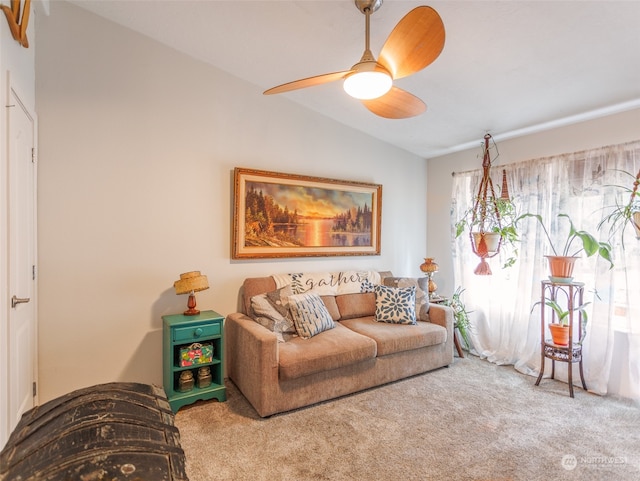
[(508, 67)]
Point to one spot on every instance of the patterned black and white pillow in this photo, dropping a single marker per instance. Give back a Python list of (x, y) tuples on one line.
[(310, 315), (396, 305), (422, 296), (367, 286)]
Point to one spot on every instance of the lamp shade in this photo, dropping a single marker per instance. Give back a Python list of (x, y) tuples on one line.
[(191, 282)]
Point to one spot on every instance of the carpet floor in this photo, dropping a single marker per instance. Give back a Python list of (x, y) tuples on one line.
[(471, 421)]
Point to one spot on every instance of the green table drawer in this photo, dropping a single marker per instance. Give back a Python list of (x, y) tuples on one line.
[(196, 332)]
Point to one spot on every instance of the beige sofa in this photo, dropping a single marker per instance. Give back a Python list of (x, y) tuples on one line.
[(357, 354)]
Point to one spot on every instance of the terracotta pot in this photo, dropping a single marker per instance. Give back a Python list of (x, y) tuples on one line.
[(491, 241), (559, 334), (561, 268)]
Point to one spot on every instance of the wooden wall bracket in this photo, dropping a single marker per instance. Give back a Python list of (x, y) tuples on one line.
[(18, 20)]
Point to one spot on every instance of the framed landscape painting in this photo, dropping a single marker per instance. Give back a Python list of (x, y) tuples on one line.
[(287, 215)]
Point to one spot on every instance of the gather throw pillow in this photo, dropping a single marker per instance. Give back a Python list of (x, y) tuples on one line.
[(310, 315), (422, 295), (272, 311), (396, 305)]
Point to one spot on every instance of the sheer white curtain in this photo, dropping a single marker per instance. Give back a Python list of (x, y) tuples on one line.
[(504, 328)]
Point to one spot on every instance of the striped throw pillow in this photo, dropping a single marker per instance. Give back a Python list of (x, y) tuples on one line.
[(310, 315)]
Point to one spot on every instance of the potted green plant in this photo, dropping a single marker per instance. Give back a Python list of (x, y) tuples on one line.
[(560, 329), (562, 261), (492, 222), (490, 219), (460, 315), (621, 215)]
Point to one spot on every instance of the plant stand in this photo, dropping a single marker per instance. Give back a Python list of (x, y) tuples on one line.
[(572, 293)]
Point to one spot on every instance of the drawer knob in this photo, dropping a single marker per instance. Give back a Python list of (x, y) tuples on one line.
[(198, 332)]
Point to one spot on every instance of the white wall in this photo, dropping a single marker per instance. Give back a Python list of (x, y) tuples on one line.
[(137, 147), (613, 129)]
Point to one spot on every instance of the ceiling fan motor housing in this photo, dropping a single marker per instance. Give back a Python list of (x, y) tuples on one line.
[(371, 5)]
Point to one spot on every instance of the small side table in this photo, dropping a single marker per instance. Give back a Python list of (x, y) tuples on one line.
[(572, 294), (456, 340), (180, 332)]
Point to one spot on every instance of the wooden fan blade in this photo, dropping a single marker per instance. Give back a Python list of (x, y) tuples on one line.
[(414, 43), (307, 82), (396, 104)]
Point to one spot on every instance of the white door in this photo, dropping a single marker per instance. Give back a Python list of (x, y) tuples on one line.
[(22, 342)]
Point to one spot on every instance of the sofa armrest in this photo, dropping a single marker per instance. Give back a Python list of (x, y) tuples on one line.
[(443, 316), (252, 358)]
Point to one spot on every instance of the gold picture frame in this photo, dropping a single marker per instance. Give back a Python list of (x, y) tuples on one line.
[(288, 215)]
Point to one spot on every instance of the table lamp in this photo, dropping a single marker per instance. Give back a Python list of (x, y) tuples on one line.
[(190, 283), (429, 267)]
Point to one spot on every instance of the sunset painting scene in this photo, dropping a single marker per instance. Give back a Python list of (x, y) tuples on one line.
[(282, 215)]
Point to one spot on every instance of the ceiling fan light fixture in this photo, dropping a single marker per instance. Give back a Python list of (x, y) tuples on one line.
[(415, 42), (368, 85)]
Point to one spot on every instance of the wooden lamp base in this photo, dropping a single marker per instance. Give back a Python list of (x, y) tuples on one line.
[(191, 304)]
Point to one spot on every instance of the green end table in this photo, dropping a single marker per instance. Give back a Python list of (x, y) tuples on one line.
[(179, 334)]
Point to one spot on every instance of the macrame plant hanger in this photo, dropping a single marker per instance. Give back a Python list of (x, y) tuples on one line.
[(486, 206)]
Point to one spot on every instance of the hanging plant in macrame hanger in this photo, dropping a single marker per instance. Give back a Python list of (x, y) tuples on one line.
[(486, 219), (491, 220)]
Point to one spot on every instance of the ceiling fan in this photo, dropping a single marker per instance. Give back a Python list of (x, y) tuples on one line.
[(415, 42)]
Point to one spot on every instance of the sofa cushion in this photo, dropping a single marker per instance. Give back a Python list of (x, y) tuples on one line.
[(392, 338), (271, 310), (332, 307), (331, 349), (356, 305), (395, 305), (422, 295), (310, 315)]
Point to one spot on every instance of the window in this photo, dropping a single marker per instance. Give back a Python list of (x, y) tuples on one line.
[(504, 329)]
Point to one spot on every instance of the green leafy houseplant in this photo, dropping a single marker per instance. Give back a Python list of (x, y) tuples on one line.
[(460, 315), (498, 217), (621, 215), (562, 314), (587, 242)]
